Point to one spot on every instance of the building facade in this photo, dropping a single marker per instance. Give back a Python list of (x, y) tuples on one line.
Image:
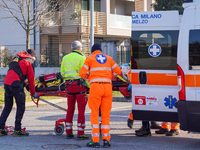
[(112, 24)]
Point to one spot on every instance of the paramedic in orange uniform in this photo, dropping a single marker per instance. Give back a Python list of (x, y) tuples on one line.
[(101, 68), (165, 129)]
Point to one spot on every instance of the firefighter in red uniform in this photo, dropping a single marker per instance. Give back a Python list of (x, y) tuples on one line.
[(101, 68), (76, 88), (20, 68)]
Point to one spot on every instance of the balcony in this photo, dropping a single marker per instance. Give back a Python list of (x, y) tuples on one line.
[(120, 21), (72, 22), (119, 26)]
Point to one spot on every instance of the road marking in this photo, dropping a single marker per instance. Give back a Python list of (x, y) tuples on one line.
[(114, 108), (122, 107)]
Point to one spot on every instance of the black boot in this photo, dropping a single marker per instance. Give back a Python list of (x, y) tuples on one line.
[(3, 132), (144, 132), (70, 136), (162, 131), (82, 137), (139, 130), (172, 133), (20, 133), (106, 144), (92, 144)]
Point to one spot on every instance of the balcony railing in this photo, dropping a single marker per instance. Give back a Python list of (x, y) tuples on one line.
[(72, 22), (120, 21)]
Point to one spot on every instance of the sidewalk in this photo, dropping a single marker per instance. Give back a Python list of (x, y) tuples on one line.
[(62, 100)]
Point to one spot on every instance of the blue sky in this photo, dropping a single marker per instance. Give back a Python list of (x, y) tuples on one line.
[(11, 33)]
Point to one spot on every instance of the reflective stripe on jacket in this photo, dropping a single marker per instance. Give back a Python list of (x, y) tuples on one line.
[(101, 68), (71, 64)]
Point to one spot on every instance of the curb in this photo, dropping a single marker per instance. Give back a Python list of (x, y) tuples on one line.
[(61, 100), (121, 99)]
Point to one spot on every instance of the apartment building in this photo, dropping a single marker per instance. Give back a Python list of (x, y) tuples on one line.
[(112, 24)]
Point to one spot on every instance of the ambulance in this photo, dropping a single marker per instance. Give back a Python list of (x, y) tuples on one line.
[(166, 47)]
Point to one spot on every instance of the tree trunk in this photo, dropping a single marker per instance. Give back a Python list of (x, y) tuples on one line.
[(28, 28), (27, 39)]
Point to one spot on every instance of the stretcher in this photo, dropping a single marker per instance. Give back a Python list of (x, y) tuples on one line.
[(121, 85), (53, 85)]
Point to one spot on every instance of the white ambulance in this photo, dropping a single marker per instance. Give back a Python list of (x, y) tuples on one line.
[(166, 47)]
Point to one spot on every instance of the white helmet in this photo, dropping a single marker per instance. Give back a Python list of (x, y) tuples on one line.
[(75, 45)]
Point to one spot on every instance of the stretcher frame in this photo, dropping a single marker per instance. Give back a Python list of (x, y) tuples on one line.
[(59, 126), (121, 86)]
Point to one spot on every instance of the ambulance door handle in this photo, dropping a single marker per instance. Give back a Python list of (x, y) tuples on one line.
[(142, 77)]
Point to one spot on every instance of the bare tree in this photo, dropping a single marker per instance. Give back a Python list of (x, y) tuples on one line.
[(28, 12)]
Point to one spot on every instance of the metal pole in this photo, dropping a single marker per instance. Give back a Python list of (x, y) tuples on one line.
[(34, 31), (91, 23)]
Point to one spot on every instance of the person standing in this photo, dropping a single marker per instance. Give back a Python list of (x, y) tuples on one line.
[(101, 68), (20, 68), (75, 88)]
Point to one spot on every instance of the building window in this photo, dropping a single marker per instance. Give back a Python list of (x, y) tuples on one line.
[(85, 5), (97, 5)]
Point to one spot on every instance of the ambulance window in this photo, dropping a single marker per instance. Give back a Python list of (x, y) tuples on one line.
[(155, 49), (194, 48)]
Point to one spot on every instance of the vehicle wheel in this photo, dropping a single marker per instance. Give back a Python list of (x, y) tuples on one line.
[(60, 130)]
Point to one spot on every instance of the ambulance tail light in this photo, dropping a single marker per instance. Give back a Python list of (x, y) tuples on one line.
[(181, 83)]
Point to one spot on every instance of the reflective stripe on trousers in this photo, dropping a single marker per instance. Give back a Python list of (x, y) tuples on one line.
[(68, 127), (174, 126), (100, 95), (81, 103)]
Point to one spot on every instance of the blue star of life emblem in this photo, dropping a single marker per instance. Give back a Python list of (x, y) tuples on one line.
[(170, 102), (101, 58), (154, 50)]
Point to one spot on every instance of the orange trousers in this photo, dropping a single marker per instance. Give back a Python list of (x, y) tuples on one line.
[(100, 95), (174, 126)]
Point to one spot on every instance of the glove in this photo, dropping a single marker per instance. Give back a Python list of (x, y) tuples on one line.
[(129, 87), (130, 123), (35, 96)]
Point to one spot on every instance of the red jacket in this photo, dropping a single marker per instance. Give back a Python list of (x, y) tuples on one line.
[(27, 70)]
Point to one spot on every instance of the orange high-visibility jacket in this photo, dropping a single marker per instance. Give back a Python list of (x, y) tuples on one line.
[(100, 66), (129, 75)]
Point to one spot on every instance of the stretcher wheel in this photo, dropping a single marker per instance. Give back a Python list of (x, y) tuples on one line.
[(60, 130)]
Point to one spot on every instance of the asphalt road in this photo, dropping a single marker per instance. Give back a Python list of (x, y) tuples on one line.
[(40, 123)]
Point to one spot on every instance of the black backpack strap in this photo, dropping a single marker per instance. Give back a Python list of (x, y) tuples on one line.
[(77, 52), (14, 65)]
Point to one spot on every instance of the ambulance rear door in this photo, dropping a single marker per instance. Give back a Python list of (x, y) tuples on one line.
[(154, 47), (189, 68)]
